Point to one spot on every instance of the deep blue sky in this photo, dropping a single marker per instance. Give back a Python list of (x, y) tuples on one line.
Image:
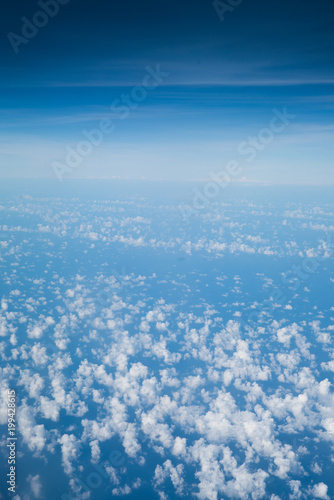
[(224, 80)]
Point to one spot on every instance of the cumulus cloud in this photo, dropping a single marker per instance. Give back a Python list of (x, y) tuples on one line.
[(35, 485), (169, 365)]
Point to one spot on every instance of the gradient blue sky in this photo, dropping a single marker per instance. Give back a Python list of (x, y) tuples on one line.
[(224, 80)]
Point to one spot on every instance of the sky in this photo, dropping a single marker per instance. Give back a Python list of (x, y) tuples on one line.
[(217, 76)]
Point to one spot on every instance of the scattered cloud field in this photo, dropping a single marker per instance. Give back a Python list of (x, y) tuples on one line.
[(154, 358)]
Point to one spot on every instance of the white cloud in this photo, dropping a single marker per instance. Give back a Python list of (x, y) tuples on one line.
[(320, 491), (35, 485)]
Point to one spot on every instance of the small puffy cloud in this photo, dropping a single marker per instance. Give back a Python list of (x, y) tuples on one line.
[(175, 474), (70, 450), (35, 485), (320, 491), (179, 447)]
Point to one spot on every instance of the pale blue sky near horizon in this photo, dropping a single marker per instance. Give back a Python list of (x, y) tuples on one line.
[(224, 80)]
